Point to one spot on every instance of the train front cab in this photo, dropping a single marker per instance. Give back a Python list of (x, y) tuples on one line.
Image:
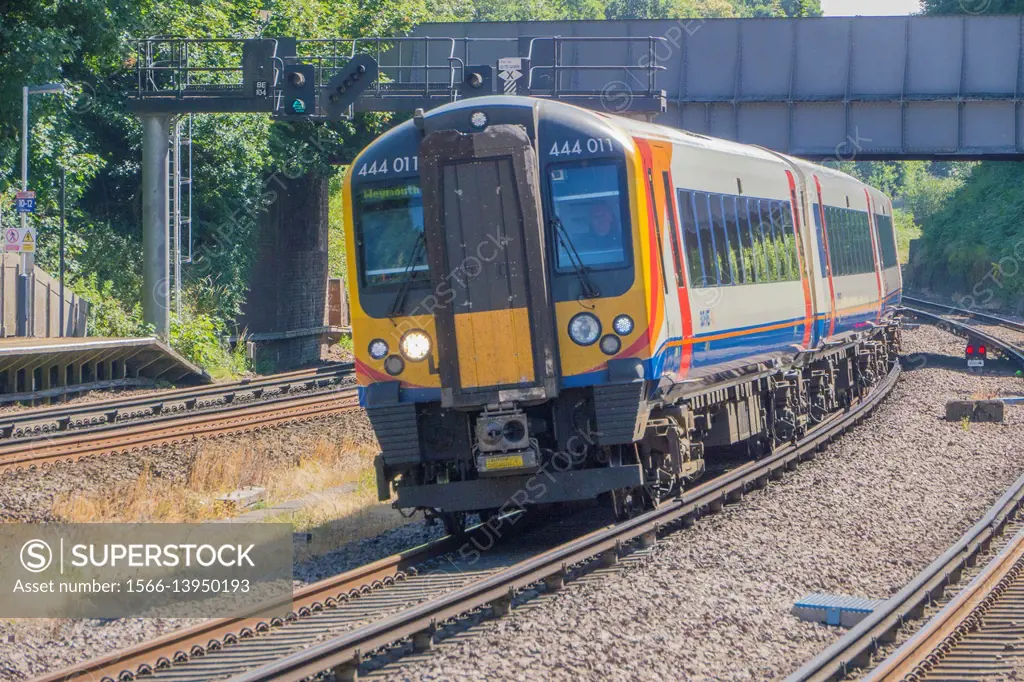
[(516, 351)]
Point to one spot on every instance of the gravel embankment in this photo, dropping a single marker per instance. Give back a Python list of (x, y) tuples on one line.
[(27, 495), (29, 647), (713, 603)]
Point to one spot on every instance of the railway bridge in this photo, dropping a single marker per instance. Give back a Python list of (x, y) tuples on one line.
[(864, 88)]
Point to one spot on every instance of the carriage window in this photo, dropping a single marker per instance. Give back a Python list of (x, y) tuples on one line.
[(389, 235), (849, 241), (706, 236), (789, 239), (771, 241), (864, 243), (738, 240), (745, 241), (757, 241), (887, 241), (587, 202), (732, 233), (694, 261), (781, 244), (721, 236)]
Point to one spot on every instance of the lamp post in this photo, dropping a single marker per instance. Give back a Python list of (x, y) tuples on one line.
[(28, 259)]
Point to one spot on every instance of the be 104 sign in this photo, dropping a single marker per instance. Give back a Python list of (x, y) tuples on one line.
[(25, 202)]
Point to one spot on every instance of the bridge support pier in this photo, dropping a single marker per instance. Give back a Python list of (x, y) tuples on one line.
[(156, 298)]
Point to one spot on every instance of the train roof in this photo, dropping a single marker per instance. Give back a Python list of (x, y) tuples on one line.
[(633, 127)]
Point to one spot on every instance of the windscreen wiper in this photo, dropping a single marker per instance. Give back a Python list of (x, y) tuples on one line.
[(589, 290), (396, 306)]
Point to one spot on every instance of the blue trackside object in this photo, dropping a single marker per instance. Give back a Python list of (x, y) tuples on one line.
[(835, 609)]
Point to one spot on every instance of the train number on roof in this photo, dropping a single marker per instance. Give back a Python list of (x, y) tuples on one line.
[(398, 164), (592, 145)]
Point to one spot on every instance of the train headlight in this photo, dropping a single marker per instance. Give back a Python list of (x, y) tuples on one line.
[(378, 349), (415, 345), (478, 119), (623, 325), (610, 344), (584, 329)]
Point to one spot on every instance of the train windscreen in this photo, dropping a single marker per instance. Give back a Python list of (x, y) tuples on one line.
[(389, 234), (588, 203)]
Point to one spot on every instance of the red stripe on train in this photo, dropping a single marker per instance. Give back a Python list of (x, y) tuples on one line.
[(808, 306)]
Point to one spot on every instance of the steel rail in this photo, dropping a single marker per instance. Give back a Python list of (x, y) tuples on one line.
[(1011, 351), (954, 310), (347, 649), (171, 430), (947, 632), (183, 644), (854, 649), (61, 419)]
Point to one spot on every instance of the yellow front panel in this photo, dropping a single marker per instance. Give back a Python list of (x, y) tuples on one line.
[(494, 348)]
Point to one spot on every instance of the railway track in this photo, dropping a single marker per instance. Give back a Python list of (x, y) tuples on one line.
[(1008, 348), (1004, 333), (974, 634), (217, 634), (337, 635), (44, 437), (961, 312), (968, 633)]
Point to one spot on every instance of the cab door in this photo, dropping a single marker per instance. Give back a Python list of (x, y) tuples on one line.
[(485, 248)]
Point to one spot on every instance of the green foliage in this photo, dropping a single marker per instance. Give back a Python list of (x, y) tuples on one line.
[(336, 230), (86, 45), (926, 189), (709, 9), (196, 335), (972, 6), (108, 315), (199, 337), (972, 244), (906, 230)]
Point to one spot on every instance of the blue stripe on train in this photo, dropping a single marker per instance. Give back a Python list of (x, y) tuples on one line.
[(719, 351)]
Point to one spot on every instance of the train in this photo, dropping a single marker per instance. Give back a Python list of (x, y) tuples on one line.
[(551, 303)]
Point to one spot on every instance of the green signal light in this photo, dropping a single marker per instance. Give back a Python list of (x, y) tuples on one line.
[(299, 107)]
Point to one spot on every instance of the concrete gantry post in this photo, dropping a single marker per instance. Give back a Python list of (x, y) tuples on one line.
[(156, 294)]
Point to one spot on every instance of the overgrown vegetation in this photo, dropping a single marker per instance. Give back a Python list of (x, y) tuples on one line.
[(973, 245), (87, 45)]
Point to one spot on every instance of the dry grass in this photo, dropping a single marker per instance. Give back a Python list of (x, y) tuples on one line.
[(334, 521), (287, 472)]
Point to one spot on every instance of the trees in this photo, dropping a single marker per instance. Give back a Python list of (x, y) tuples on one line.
[(87, 45), (971, 214), (710, 9), (972, 6)]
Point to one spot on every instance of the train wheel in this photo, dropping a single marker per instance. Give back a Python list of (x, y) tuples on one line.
[(490, 517), (454, 523), (627, 502)]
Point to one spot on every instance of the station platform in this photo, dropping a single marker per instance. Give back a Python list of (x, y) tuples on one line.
[(48, 368)]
